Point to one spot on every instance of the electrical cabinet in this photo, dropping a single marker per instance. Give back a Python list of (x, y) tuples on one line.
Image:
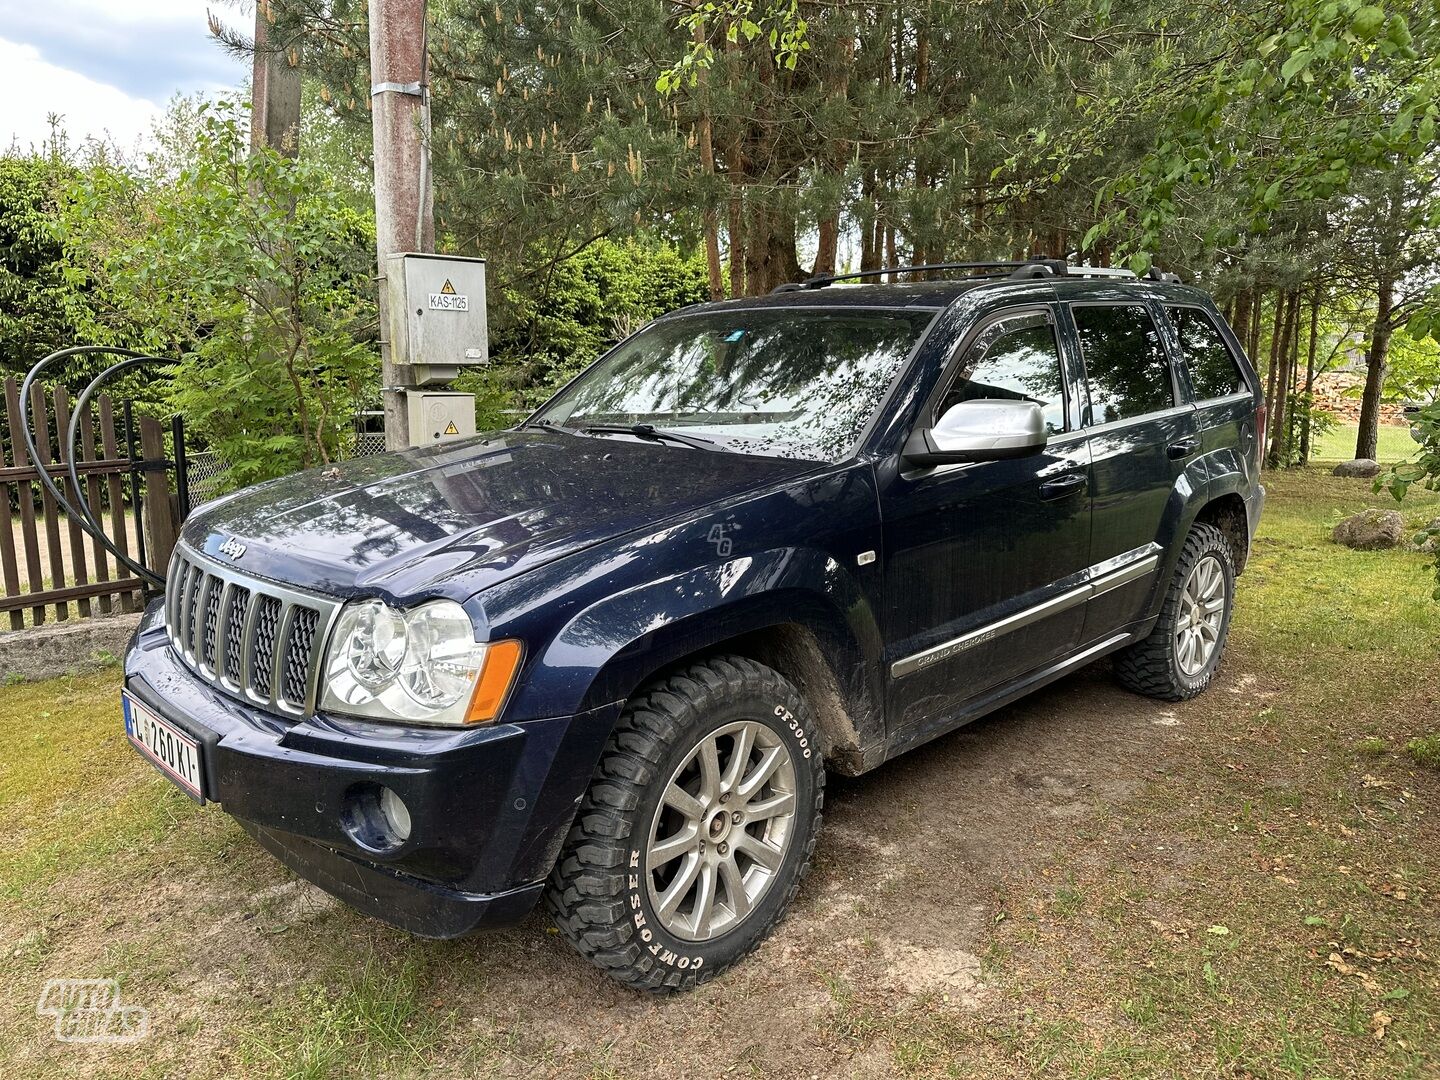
[(436, 314), (437, 415)]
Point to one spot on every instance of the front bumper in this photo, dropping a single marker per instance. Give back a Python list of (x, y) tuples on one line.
[(489, 806)]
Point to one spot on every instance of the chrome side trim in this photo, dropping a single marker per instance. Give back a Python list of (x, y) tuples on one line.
[(922, 660), (1126, 574), (1099, 586)]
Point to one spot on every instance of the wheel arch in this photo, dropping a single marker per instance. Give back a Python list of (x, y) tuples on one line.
[(798, 632), (1227, 513)]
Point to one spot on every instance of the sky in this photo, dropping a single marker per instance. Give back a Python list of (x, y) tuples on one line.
[(108, 66)]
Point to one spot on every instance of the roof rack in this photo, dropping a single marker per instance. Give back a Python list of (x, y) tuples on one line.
[(1037, 266)]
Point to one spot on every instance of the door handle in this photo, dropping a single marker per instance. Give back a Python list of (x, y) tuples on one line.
[(1182, 448), (1064, 485)]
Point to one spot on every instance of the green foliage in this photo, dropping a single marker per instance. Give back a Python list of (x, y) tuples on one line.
[(255, 271), (778, 22), (1425, 750), (39, 308), (1372, 746), (1422, 471), (1339, 85), (584, 305), (1414, 363)]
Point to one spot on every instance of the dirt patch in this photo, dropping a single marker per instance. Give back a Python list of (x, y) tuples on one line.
[(915, 868), (959, 896)]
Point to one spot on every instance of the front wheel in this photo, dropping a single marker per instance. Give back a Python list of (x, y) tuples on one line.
[(1179, 658), (697, 829)]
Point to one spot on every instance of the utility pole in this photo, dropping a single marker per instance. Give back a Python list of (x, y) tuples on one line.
[(274, 90), (404, 213)]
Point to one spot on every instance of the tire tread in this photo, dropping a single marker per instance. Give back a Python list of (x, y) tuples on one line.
[(586, 887), (1148, 667)]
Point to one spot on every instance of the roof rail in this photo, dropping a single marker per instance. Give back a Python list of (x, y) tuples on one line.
[(1037, 266), (822, 280)]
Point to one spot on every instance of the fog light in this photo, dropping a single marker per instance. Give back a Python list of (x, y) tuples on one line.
[(376, 818), (396, 815)]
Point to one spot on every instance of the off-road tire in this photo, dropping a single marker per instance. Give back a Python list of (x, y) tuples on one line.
[(1152, 666), (597, 892)]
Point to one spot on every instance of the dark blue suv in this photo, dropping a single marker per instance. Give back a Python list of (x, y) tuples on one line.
[(607, 656)]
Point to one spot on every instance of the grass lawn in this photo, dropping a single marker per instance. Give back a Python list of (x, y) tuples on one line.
[(1087, 885), (1393, 444)]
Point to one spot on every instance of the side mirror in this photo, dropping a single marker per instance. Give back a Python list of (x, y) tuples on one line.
[(979, 430)]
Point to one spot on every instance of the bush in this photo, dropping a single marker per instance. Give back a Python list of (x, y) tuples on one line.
[(38, 308), (255, 271)]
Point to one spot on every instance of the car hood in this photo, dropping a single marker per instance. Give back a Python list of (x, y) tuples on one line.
[(455, 518)]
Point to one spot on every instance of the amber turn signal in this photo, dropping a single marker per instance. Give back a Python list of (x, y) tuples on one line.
[(497, 675)]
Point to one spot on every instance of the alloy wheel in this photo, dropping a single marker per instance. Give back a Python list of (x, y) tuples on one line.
[(1202, 616), (721, 830)]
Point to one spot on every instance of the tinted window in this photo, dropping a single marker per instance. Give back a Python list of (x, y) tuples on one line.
[(785, 382), (1125, 362), (1213, 371), (1016, 359)]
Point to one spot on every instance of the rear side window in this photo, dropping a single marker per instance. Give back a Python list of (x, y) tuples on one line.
[(1212, 367), (1126, 366), (1015, 358)]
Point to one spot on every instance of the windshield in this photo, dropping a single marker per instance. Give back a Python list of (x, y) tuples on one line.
[(782, 382)]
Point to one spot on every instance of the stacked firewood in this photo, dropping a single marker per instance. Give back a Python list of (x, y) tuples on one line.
[(1338, 392)]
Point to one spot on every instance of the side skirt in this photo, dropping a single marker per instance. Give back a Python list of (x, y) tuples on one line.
[(1005, 694)]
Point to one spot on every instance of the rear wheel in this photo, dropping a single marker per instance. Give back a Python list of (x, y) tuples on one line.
[(1179, 658), (697, 829)]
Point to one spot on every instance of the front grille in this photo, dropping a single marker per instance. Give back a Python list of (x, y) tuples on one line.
[(254, 639)]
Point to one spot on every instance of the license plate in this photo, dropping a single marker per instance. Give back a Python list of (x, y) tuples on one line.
[(173, 752)]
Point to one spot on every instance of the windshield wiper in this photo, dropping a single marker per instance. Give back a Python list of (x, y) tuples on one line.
[(547, 426), (650, 431)]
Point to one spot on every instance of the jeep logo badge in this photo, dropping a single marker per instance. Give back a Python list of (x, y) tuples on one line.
[(232, 548)]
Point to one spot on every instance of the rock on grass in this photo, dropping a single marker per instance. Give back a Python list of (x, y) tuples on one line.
[(1371, 530), (1363, 468)]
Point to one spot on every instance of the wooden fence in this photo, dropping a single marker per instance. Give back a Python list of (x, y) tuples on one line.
[(125, 485)]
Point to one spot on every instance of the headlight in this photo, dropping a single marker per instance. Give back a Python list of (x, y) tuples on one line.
[(421, 666)]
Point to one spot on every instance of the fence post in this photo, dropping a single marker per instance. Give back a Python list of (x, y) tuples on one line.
[(159, 515)]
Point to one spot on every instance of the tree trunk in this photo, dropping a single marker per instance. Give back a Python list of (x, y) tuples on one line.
[(869, 223), (1272, 372), (1367, 440), (735, 175), (828, 248), (1239, 317), (782, 263), (710, 217), (1257, 312), (1309, 398), (1292, 381), (828, 227), (1290, 306), (274, 90), (757, 247)]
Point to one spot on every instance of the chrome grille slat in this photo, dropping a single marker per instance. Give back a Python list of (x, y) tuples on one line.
[(210, 622), (232, 641), (251, 638), (299, 654), (267, 630)]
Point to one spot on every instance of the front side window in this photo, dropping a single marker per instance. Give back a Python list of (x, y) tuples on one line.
[(1212, 367), (783, 382), (1126, 367), (1015, 358)]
